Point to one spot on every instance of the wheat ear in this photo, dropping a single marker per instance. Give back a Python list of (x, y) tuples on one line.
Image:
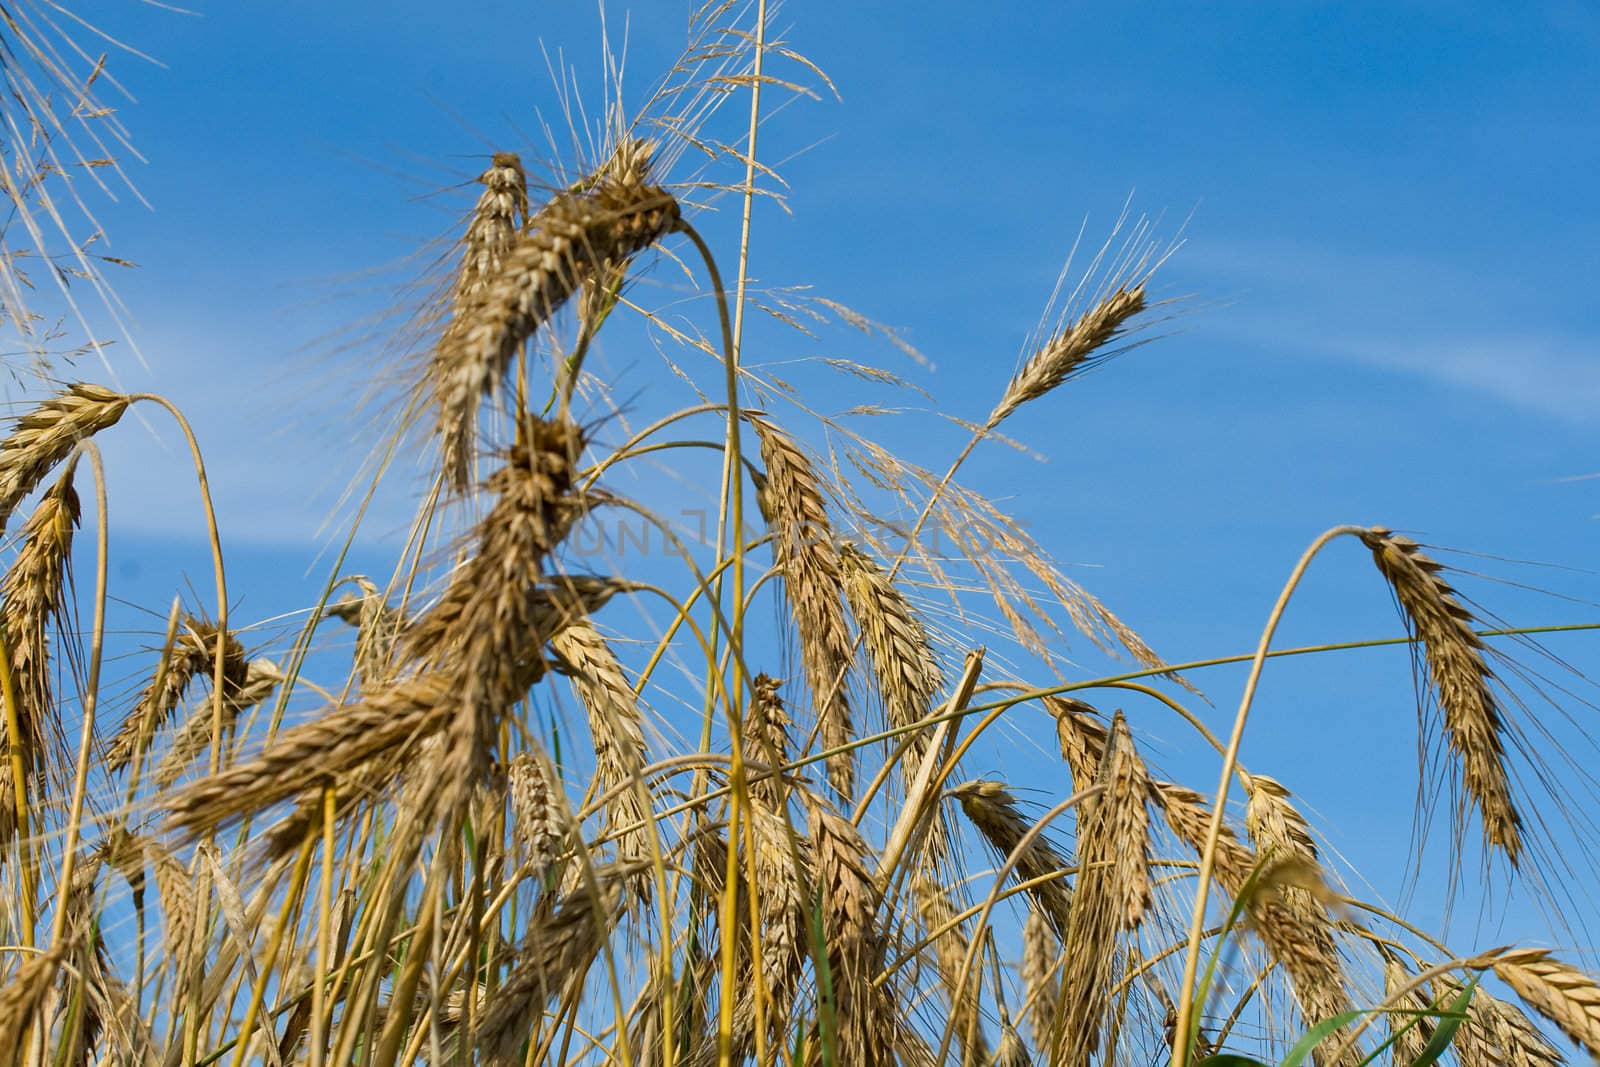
[(32, 591), (1070, 351), (993, 812), (1561, 993), (806, 553), (192, 657), (1311, 961), (1112, 890), (616, 726), (558, 950), (569, 239), (47, 434), (1454, 657), (949, 956), (865, 1022), (903, 663)]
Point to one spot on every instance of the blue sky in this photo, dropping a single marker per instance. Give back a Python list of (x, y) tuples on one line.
[(1387, 311)]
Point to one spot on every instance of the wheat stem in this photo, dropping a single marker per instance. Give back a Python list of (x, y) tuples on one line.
[(1230, 759)]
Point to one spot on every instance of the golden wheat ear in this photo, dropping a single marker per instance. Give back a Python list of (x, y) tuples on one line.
[(569, 240), (46, 435), (1453, 656)]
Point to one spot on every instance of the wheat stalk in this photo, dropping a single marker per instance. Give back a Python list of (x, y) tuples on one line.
[(806, 553), (1455, 662)]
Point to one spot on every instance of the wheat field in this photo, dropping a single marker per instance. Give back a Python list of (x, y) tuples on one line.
[(528, 798)]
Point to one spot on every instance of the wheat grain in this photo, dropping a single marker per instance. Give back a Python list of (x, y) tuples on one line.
[(1454, 658), (47, 434), (805, 551)]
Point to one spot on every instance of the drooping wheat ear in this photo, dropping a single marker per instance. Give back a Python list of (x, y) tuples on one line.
[(484, 615), (1408, 1043), (864, 1018), (903, 663), (1111, 893), (22, 997), (1073, 349), (807, 554), (949, 956), (489, 629), (1082, 736), (617, 728), (32, 591), (261, 677), (766, 739), (1280, 833), (993, 812), (784, 867), (323, 750), (1563, 994), (180, 903), (1311, 961), (1454, 656), (1041, 976), (47, 434), (193, 656), (557, 952), (1520, 1043), (378, 625), (1012, 1052), (496, 219), (566, 241), (540, 821)]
